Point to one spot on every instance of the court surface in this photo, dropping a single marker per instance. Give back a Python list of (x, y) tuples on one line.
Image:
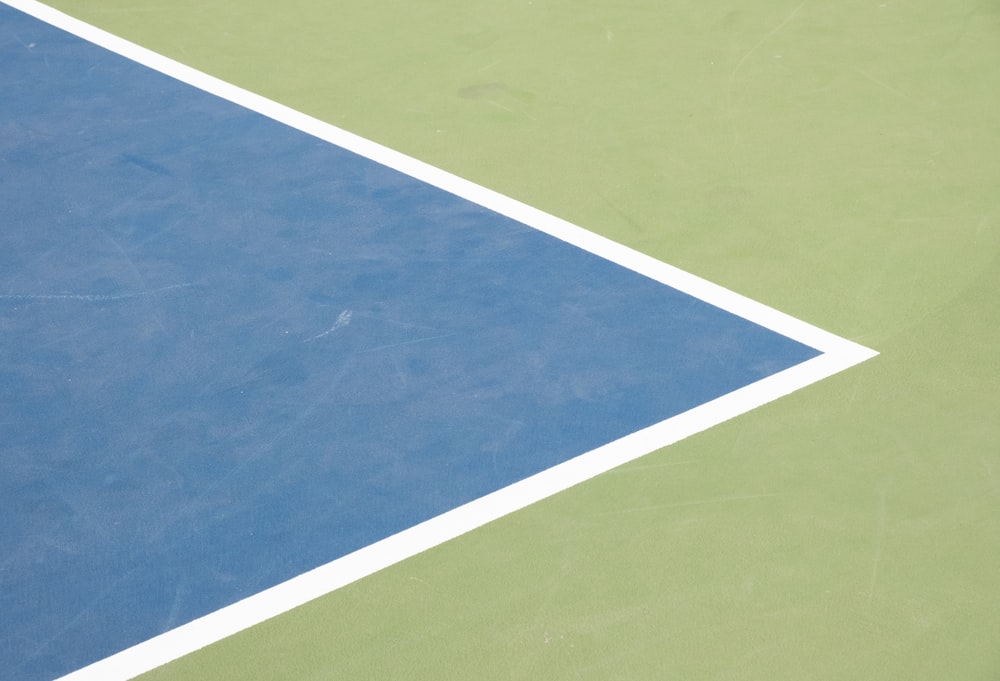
[(835, 161)]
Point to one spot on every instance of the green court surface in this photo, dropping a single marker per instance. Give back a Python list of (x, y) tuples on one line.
[(839, 161)]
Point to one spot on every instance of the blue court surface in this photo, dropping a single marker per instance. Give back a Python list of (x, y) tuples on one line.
[(231, 352)]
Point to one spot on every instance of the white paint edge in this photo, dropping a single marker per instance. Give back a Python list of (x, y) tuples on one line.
[(838, 355), (327, 578)]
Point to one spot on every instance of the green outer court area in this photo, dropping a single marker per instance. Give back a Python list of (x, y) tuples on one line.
[(839, 161)]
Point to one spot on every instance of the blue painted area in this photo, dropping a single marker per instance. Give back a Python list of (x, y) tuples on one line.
[(230, 352)]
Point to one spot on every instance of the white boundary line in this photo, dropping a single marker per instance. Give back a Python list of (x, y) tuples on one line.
[(838, 354)]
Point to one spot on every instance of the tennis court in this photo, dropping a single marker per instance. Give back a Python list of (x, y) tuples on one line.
[(834, 162)]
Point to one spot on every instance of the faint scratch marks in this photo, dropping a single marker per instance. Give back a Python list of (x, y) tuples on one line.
[(770, 34), (746, 55), (180, 595), (27, 46), (879, 543), (342, 320), (89, 297), (379, 348), (396, 322), (885, 86)]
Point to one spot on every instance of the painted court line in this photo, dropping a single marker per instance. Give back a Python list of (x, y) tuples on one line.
[(838, 354)]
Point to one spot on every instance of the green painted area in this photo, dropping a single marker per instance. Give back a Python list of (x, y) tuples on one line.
[(837, 160)]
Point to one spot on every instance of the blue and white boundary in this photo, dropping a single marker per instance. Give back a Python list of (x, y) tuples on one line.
[(837, 355)]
